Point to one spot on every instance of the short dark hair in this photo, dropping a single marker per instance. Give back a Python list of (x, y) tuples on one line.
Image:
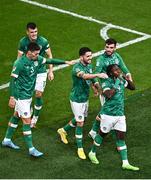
[(33, 46), (31, 25), (111, 41), (109, 69), (83, 50)]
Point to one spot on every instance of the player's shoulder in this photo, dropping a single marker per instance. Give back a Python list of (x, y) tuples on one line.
[(100, 58), (24, 39), (117, 55), (42, 39), (77, 67), (19, 62)]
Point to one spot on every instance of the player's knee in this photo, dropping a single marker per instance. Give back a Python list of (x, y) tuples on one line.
[(98, 118), (26, 120), (120, 135), (80, 124), (38, 94)]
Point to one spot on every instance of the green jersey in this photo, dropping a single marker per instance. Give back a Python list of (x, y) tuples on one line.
[(81, 87), (104, 61), (25, 73), (41, 41), (115, 105)]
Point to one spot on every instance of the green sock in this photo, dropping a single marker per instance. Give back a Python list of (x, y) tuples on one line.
[(113, 133), (71, 125), (96, 126), (37, 106), (78, 135), (97, 142), (121, 147), (27, 135), (12, 125)]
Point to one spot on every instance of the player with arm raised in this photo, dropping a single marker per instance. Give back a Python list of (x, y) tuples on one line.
[(112, 114), (110, 56), (23, 78)]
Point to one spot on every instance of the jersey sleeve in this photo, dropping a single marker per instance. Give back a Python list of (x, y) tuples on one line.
[(77, 70), (105, 85), (21, 46), (122, 65), (46, 45), (17, 67)]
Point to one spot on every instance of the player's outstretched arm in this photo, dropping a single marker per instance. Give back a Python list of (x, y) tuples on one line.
[(91, 76)]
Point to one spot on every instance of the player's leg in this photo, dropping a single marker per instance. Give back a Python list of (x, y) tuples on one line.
[(12, 125), (63, 131), (96, 124), (96, 143), (95, 127), (26, 120), (120, 128), (79, 139), (105, 127), (80, 115), (39, 89)]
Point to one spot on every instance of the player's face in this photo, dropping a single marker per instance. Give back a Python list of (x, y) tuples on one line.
[(33, 54), (86, 58), (32, 34), (116, 71), (109, 49)]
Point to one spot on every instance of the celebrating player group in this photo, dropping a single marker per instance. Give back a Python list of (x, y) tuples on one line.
[(108, 81)]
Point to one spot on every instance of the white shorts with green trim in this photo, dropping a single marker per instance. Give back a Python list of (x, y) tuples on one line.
[(80, 110), (41, 82), (22, 107), (109, 123)]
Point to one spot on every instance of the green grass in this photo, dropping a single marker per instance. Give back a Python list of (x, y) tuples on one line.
[(66, 35)]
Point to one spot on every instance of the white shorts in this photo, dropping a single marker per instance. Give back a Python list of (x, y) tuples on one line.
[(22, 107), (41, 82), (80, 110), (112, 122)]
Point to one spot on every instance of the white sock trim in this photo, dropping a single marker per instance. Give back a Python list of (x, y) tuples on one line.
[(7, 139), (30, 149), (125, 162)]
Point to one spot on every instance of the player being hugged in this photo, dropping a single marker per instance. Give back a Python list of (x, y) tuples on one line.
[(112, 114)]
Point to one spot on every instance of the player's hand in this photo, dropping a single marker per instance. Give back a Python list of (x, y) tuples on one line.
[(12, 102), (50, 76), (129, 77), (103, 75)]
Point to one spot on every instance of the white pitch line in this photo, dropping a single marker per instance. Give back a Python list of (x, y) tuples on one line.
[(103, 32), (88, 18)]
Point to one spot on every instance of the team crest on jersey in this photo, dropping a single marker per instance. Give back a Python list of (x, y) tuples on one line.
[(36, 63)]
